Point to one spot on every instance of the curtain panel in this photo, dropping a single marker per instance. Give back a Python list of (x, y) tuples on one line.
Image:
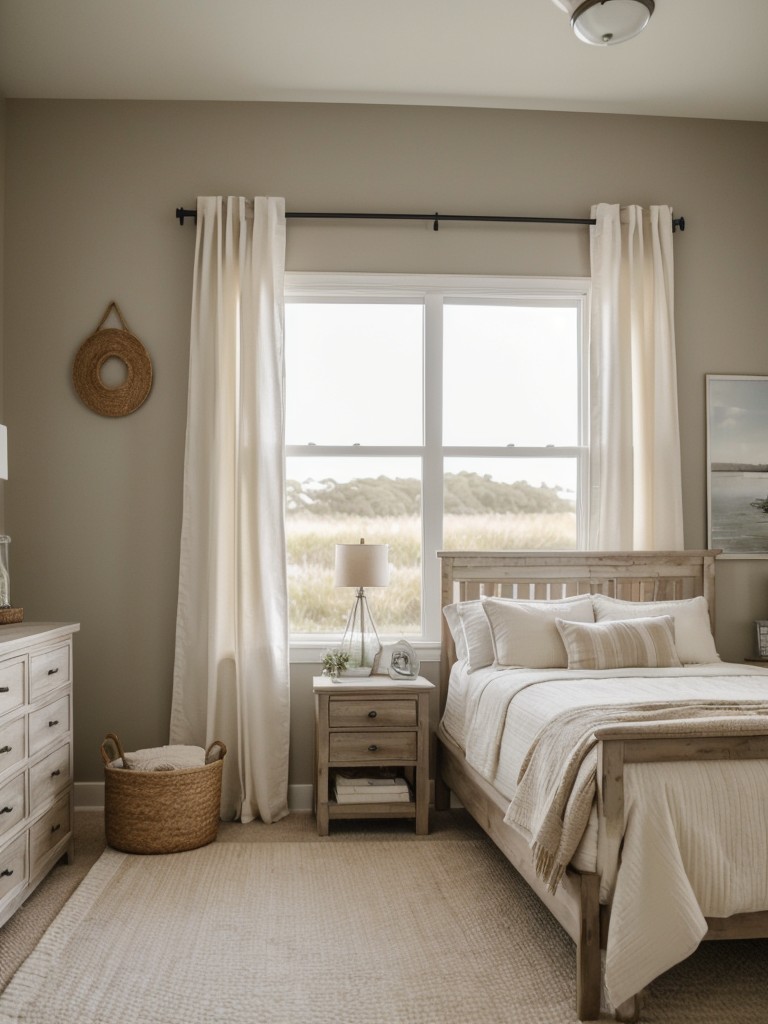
[(231, 671), (635, 475)]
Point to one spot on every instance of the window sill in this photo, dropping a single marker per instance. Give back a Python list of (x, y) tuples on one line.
[(310, 652)]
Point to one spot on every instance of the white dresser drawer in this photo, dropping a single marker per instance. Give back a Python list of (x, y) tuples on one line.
[(54, 826), (49, 668), (49, 777), (12, 806), (13, 674), (48, 723), (13, 865), (13, 743)]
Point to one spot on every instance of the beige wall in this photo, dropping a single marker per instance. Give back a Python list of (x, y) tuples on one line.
[(2, 281), (94, 505)]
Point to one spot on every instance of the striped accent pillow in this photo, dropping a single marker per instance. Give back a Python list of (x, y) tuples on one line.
[(627, 643)]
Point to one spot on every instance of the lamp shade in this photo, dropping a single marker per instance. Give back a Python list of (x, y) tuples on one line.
[(3, 452), (362, 565), (607, 22)]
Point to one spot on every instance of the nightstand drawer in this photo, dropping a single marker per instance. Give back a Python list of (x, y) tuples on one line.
[(373, 747), (378, 714)]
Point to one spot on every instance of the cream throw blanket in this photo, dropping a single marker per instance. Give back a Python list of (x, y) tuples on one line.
[(557, 781)]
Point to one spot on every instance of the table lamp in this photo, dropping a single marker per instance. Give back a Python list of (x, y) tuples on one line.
[(361, 565)]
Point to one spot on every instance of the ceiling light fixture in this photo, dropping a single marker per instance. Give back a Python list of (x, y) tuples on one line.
[(607, 22)]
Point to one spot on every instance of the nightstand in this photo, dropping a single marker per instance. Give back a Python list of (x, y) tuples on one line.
[(375, 722)]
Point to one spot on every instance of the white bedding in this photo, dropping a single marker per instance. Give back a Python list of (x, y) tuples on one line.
[(696, 834)]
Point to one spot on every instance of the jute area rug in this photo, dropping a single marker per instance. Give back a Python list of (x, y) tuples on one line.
[(386, 931)]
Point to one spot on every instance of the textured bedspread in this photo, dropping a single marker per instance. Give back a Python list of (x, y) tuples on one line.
[(696, 834)]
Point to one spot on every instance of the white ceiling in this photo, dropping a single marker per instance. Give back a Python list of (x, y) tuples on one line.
[(689, 62)]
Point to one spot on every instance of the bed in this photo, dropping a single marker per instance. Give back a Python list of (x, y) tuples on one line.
[(495, 735)]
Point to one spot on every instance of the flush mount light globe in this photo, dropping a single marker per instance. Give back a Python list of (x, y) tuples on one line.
[(607, 22)]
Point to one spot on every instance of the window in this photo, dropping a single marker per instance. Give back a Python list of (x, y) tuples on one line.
[(427, 413)]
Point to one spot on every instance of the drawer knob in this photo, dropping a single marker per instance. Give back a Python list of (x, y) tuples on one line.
[(5, 689), (54, 722), (52, 671), (57, 772), (6, 749), (6, 873), (5, 810), (373, 747), (372, 714), (55, 828)]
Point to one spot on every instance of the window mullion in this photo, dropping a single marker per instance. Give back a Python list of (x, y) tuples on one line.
[(432, 469)]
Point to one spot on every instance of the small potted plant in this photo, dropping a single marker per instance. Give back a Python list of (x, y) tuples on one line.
[(335, 662)]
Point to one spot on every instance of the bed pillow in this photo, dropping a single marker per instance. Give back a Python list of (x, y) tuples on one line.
[(471, 633), (625, 643), (451, 613), (693, 635), (477, 635), (524, 632)]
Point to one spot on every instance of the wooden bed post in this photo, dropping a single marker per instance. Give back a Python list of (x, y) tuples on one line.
[(588, 962)]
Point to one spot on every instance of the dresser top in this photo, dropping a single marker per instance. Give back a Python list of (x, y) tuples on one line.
[(22, 634)]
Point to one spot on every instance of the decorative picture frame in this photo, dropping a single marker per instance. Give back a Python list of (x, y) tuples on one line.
[(737, 465), (398, 661)]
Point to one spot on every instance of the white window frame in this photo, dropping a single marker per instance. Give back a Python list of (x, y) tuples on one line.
[(434, 291)]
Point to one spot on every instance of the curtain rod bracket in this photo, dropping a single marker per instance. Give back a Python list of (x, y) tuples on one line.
[(436, 225)]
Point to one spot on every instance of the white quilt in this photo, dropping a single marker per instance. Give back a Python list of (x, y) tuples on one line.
[(696, 834)]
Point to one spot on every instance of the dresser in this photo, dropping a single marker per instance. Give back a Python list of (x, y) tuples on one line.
[(367, 724), (36, 783)]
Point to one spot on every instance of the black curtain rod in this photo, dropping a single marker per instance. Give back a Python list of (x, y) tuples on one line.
[(678, 222)]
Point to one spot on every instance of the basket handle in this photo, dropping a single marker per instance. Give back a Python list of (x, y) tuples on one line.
[(115, 749), (213, 754)]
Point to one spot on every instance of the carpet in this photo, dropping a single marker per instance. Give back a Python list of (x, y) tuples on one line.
[(346, 932)]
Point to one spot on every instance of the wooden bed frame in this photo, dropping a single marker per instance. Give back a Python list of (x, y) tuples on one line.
[(636, 576)]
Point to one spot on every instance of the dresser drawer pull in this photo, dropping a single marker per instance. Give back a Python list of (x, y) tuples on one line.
[(6, 873), (57, 772), (6, 749), (5, 689), (54, 722), (52, 671), (372, 714), (55, 828), (373, 747), (5, 810)]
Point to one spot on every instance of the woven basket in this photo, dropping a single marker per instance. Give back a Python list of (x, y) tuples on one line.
[(163, 811)]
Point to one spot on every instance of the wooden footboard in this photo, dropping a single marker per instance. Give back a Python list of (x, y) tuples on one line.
[(641, 576)]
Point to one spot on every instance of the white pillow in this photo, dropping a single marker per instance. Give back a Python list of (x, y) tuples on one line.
[(451, 614), (471, 633), (624, 643), (477, 635), (524, 632), (693, 635)]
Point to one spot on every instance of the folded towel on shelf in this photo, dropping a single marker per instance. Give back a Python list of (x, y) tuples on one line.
[(164, 759)]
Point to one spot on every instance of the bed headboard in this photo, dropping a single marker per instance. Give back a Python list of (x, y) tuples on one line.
[(548, 575)]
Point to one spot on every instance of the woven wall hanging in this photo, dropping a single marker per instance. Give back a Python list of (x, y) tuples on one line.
[(112, 343)]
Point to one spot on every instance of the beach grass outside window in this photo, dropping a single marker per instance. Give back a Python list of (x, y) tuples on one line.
[(428, 413)]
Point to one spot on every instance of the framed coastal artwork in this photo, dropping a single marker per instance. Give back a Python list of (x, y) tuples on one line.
[(737, 465)]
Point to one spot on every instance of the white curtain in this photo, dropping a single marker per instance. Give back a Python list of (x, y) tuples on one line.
[(635, 480), (231, 668)]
